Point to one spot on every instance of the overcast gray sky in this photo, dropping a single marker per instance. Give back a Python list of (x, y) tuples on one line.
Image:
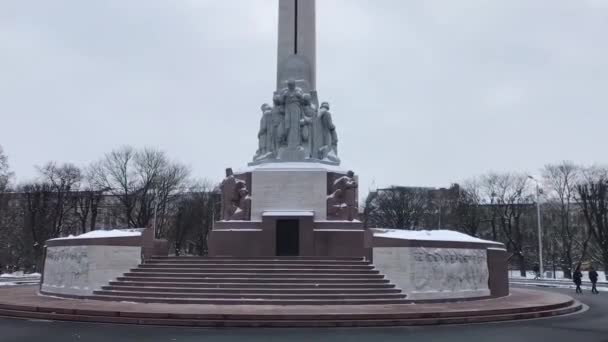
[(423, 92)]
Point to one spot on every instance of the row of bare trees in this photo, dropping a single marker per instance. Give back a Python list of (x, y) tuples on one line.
[(144, 187), (502, 207), (127, 187)]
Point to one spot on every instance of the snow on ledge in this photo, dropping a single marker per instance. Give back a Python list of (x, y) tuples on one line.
[(95, 234), (427, 235), (288, 213), (291, 166)]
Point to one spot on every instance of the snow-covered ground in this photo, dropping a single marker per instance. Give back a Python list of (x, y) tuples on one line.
[(427, 235), (558, 282), (541, 283), (19, 274), (19, 278), (559, 276), (105, 234)]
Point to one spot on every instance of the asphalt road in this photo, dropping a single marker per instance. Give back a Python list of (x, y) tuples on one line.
[(589, 326)]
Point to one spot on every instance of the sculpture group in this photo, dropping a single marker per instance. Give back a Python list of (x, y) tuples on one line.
[(236, 202), (342, 203), (294, 124)]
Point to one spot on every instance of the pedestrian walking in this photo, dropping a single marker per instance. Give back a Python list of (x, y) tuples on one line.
[(593, 278), (536, 270), (577, 277)]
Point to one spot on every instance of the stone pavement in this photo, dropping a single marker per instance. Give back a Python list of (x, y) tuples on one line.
[(589, 326), (25, 302)]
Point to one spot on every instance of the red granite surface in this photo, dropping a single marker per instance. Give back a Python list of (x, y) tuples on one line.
[(26, 302)]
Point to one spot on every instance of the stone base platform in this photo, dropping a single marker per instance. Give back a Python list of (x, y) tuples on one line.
[(25, 302)]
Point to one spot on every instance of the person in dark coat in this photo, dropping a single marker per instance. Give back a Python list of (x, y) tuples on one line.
[(536, 270), (593, 278), (577, 277)]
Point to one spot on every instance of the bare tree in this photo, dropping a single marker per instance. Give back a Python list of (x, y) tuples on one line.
[(87, 202), (467, 211), (143, 181), (64, 181), (5, 177), (8, 242), (47, 207), (116, 173), (38, 223), (194, 217), (511, 196), (171, 184), (5, 172), (593, 194), (397, 207), (560, 181)]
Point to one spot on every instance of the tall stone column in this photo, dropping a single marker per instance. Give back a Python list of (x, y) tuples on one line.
[(297, 56)]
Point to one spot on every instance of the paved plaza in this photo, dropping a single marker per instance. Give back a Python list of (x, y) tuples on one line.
[(588, 326)]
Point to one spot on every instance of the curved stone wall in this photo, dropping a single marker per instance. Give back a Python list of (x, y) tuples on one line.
[(78, 266), (429, 270), (80, 270)]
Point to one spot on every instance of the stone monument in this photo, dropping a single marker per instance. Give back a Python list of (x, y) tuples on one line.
[(293, 198), (295, 128)]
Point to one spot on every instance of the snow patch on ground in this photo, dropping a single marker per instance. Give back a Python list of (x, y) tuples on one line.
[(105, 234), (559, 276), (558, 286), (427, 235), (19, 278), (19, 274)]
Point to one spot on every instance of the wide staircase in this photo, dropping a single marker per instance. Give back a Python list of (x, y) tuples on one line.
[(260, 280)]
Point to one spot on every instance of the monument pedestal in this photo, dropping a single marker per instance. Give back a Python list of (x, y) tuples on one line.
[(292, 154), (288, 234), (289, 216)]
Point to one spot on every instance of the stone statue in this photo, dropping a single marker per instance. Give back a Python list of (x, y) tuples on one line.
[(265, 134), (229, 188), (291, 98), (278, 124), (243, 209), (328, 146), (342, 203), (307, 124), (294, 130), (334, 205)]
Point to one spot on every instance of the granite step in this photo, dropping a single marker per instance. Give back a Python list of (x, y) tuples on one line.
[(241, 301), (186, 260), (300, 285), (299, 321), (246, 291), (253, 270), (26, 303), (281, 275), (251, 295), (272, 258), (240, 279), (262, 281), (258, 266)]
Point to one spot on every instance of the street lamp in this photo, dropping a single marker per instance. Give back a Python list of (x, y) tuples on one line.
[(540, 232)]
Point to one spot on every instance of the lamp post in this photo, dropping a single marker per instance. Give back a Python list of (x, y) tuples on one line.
[(539, 226), (155, 212)]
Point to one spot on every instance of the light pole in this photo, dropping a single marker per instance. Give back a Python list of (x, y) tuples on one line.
[(540, 231), (155, 206)]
